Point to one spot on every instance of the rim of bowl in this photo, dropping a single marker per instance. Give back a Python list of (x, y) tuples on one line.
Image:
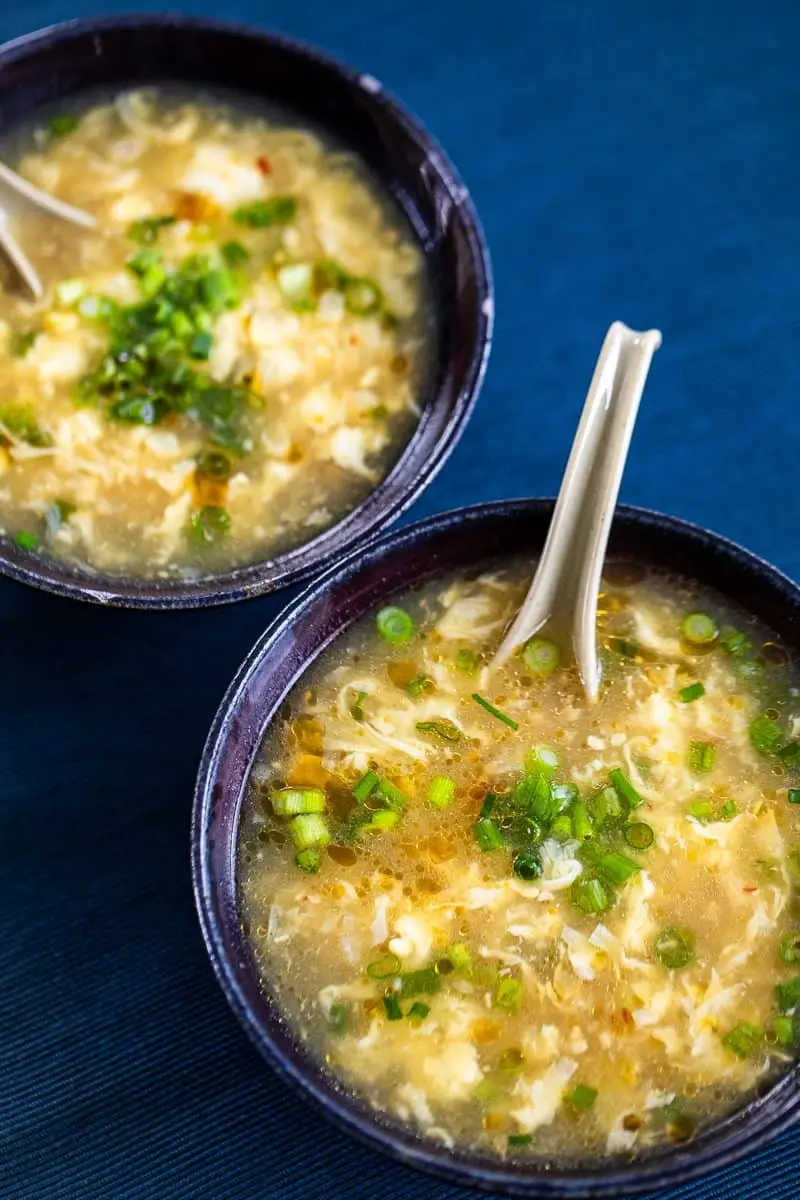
[(329, 606), (426, 451)]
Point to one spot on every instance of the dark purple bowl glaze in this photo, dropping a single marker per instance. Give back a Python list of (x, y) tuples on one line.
[(454, 540), (65, 60)]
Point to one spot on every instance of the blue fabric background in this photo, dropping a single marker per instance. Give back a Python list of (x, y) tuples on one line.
[(629, 160)]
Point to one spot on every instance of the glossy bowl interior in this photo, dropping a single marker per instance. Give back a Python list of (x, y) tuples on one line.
[(62, 62), (455, 540)]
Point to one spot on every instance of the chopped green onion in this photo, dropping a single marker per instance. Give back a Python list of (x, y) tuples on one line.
[(425, 981), (365, 786), (487, 835), (495, 712), (19, 422), (639, 835), (295, 284), (309, 829), (419, 685), (674, 947), (209, 524), (625, 647), (62, 124), (790, 755), (605, 807), (728, 811), (362, 297), (308, 860), (743, 1039), (200, 345), (789, 951), (27, 541), (541, 656), (541, 758), (699, 629), (489, 801), (616, 868), (392, 1005), (357, 707), (700, 810), (443, 729), (234, 254), (381, 821), (394, 625), (22, 342), (418, 1011), (561, 827), (787, 995), (692, 692), (520, 1139), (259, 214), (288, 802), (467, 662), (214, 464), (701, 756), (441, 791), (385, 967), (783, 1031), (565, 795), (582, 1096), (581, 821), (765, 735), (146, 231), (589, 895), (508, 994), (68, 291), (527, 865), (391, 794), (625, 788), (460, 957), (735, 642), (338, 1018)]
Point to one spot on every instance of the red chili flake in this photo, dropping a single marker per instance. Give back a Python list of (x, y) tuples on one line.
[(354, 339), (627, 1016), (264, 165), (750, 887)]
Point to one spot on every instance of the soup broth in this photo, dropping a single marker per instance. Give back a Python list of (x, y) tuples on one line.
[(519, 922), (227, 363)]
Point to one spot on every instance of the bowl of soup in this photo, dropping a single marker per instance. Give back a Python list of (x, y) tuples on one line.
[(526, 942), (267, 343)]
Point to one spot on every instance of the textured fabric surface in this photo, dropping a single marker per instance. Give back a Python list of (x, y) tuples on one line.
[(629, 160)]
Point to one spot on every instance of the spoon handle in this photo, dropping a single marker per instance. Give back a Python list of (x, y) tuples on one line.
[(13, 186), (564, 588)]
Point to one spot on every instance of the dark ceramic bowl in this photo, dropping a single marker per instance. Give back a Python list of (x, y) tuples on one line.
[(455, 540), (66, 60)]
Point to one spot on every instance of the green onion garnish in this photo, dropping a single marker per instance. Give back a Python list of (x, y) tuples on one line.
[(495, 712), (561, 827), (700, 810), (487, 835), (69, 291), (385, 967), (381, 821), (728, 811), (308, 860), (467, 662), (288, 802), (441, 791), (460, 957), (639, 835), (391, 794), (62, 124), (259, 214), (582, 1096), (674, 947), (520, 1139), (581, 821), (362, 297), (508, 994), (590, 895), (443, 729), (295, 283), (27, 541), (357, 707), (623, 785), (735, 642), (392, 1005), (787, 995), (565, 795), (527, 865), (200, 345), (743, 1039), (425, 981), (419, 685), (790, 755), (214, 464), (21, 342), (394, 625), (209, 524), (701, 756), (418, 1011), (234, 254), (309, 829), (146, 231), (783, 1031), (541, 758), (699, 629), (624, 647), (616, 868), (605, 807), (789, 951), (365, 786), (338, 1019), (765, 735), (541, 656), (489, 801), (692, 692)]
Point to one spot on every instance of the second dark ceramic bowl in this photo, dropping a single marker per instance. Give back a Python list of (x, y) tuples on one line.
[(455, 540), (60, 63)]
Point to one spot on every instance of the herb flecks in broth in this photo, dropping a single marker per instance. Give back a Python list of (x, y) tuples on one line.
[(223, 367), (526, 923)]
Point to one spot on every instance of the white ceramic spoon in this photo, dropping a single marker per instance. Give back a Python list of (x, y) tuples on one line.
[(16, 191), (563, 594)]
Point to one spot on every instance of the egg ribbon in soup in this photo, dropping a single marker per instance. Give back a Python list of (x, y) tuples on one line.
[(227, 364), (517, 921)]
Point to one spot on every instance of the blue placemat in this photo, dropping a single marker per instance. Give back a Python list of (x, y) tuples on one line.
[(629, 160)]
